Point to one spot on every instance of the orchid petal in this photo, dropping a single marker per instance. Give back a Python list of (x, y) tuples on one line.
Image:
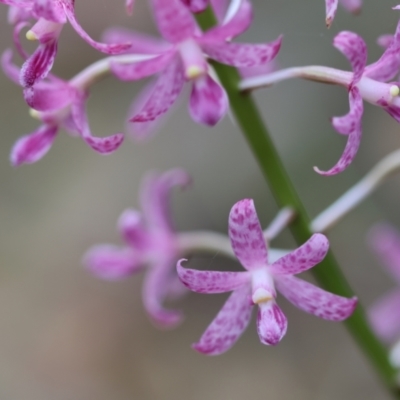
[(49, 10), (330, 11), (388, 65), (154, 197), (303, 258), (228, 325), (353, 47), (39, 64), (116, 48), (10, 69), (174, 20), (242, 55), (166, 90), (129, 4), (349, 124), (208, 101), (104, 145), (16, 39), (110, 262), (383, 316), (314, 300), (132, 228), (385, 241), (196, 6), (31, 148), (211, 281), (234, 27), (247, 236), (155, 290), (18, 14), (271, 323), (141, 69)]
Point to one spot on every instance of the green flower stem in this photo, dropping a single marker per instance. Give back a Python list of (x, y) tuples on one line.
[(327, 273)]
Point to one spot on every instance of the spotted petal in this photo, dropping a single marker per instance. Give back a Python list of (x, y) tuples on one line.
[(271, 323), (303, 258), (228, 325), (314, 300), (211, 281), (246, 235), (49, 10)]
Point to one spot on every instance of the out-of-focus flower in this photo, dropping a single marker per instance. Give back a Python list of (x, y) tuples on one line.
[(257, 285), (353, 6), (182, 57), (151, 243), (51, 15), (56, 103), (364, 83)]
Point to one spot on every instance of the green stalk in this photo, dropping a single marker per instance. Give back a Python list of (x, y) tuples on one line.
[(327, 273)]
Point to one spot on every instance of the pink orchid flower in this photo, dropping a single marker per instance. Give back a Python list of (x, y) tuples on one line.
[(51, 15), (353, 6), (384, 314), (182, 57), (151, 243), (364, 83), (257, 285), (57, 104)]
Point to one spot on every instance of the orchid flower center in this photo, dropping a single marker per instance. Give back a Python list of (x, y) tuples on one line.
[(263, 286), (44, 30), (194, 62), (394, 90)]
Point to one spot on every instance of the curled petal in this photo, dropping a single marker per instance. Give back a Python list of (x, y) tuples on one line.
[(314, 300), (31, 148), (10, 69), (155, 290), (246, 235), (354, 49), (110, 262), (243, 55), (208, 101), (228, 325), (39, 64), (154, 196), (166, 90), (104, 145), (330, 11), (271, 323), (349, 124), (211, 281), (235, 26), (303, 258), (385, 241), (132, 229), (174, 20), (116, 48)]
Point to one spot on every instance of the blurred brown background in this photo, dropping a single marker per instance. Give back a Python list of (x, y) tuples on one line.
[(64, 335)]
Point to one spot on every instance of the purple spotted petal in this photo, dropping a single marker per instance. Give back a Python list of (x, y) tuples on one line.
[(142, 69), (228, 325), (110, 262), (155, 290), (174, 20), (330, 11), (49, 10), (166, 90), (388, 65), (39, 64), (243, 55), (116, 48), (132, 229), (103, 145), (211, 281), (31, 148), (385, 241), (140, 42), (234, 27), (196, 6), (246, 235), (354, 49), (384, 316), (208, 101), (303, 258), (349, 124), (154, 197), (271, 323), (314, 300)]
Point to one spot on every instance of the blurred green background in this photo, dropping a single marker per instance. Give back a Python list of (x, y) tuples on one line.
[(66, 335)]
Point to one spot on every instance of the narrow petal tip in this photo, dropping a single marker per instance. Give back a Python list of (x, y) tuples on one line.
[(105, 145)]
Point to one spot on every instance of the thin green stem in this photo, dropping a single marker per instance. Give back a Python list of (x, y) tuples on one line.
[(327, 273)]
